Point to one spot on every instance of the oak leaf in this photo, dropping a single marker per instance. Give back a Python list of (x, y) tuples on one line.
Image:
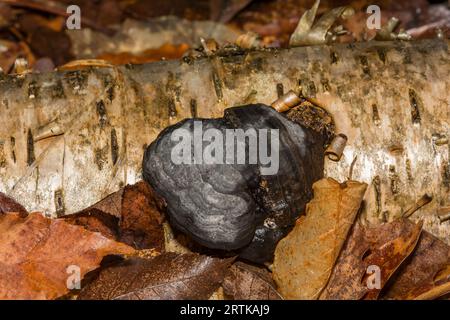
[(36, 252), (247, 282), (305, 258), (130, 215), (426, 273), (169, 276), (370, 257)]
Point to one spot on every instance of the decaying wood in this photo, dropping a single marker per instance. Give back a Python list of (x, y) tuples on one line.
[(391, 99)]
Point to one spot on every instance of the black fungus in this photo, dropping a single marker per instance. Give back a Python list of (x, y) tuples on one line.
[(238, 205)]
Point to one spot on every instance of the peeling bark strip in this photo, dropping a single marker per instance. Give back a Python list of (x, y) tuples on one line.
[(138, 112)]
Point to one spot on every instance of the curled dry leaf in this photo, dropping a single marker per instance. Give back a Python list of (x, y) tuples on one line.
[(35, 253), (426, 272), (8, 204), (310, 33), (169, 276), (131, 216), (247, 282), (370, 257), (305, 258)]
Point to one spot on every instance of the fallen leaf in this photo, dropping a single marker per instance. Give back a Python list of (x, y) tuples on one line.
[(169, 276), (27, 23), (8, 204), (112, 204), (45, 42), (247, 282), (130, 216), (6, 15), (141, 222), (96, 221), (423, 272), (368, 253), (36, 252), (305, 258)]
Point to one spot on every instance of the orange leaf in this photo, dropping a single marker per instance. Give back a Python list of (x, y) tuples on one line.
[(131, 215), (36, 252)]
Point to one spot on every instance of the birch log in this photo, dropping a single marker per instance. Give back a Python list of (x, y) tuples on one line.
[(68, 139)]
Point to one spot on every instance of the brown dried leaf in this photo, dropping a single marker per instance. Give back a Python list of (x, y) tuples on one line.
[(112, 204), (35, 253), (384, 246), (426, 270), (169, 276), (305, 258), (45, 42), (247, 282), (96, 221), (8, 204), (140, 223)]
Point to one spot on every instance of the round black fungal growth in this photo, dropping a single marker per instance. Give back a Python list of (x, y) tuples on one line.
[(211, 203), (248, 205)]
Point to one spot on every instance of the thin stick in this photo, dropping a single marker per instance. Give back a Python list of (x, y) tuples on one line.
[(350, 173), (425, 199)]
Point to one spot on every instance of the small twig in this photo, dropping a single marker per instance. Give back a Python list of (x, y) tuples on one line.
[(425, 199), (350, 173)]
